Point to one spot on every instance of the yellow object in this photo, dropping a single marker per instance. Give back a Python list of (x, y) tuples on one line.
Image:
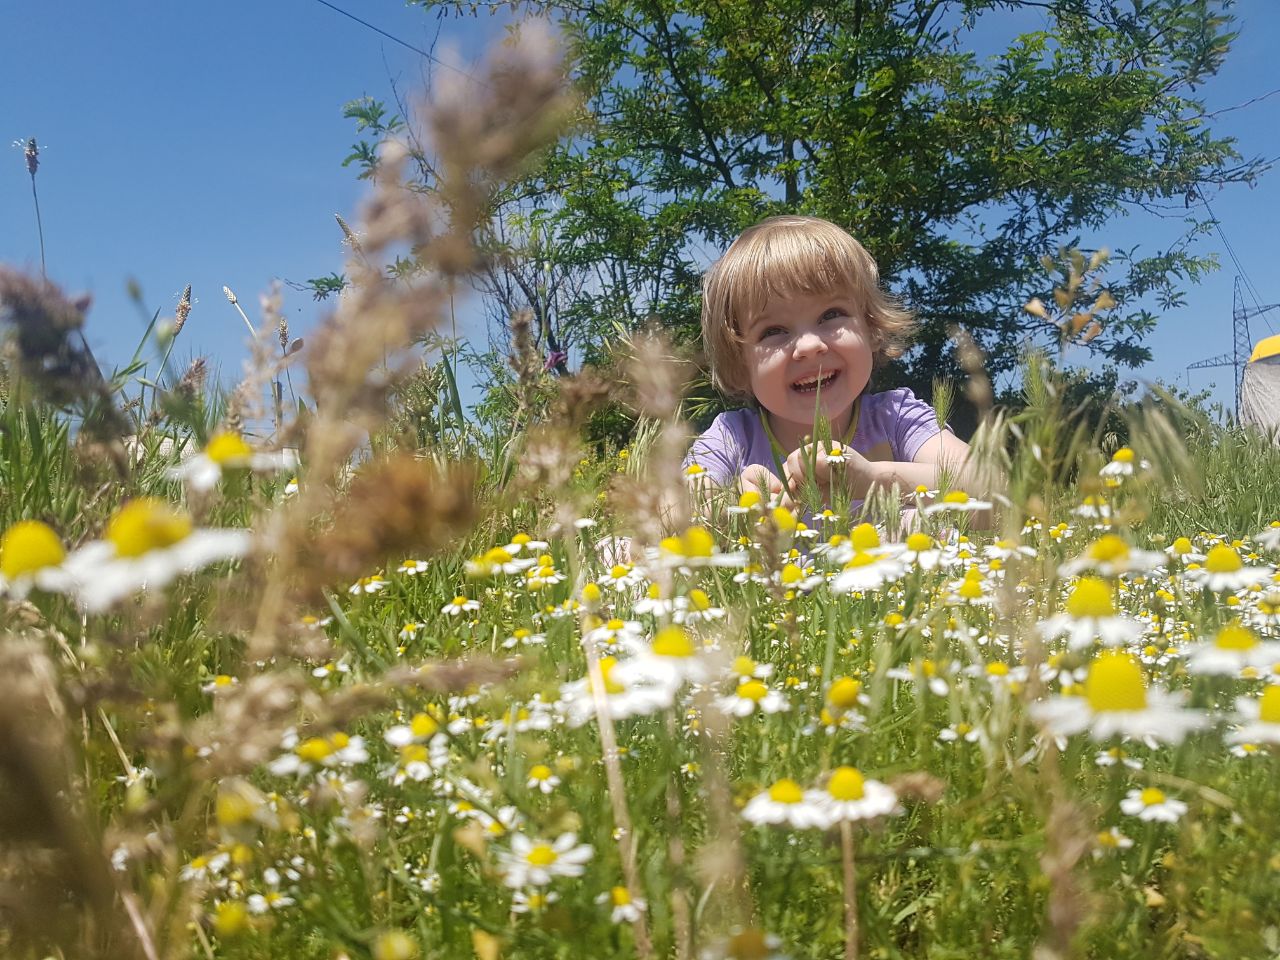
[(1268, 347)]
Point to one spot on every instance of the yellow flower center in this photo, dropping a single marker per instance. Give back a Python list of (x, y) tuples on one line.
[(1109, 549), (695, 542), (846, 783), (860, 559), (864, 537), (784, 519), (606, 671), (786, 791), (423, 725), (844, 693), (1091, 597), (792, 574), (228, 449), (749, 499), (28, 546), (752, 690), (997, 669), (146, 524), (956, 496), (1235, 636), (539, 771), (971, 589), (314, 749), (1181, 546), (619, 571), (1223, 559), (1115, 683), (542, 855), (1123, 455), (919, 542), (459, 601), (744, 666), (414, 753), (699, 600), (621, 896), (1269, 704), (672, 642), (1151, 796)]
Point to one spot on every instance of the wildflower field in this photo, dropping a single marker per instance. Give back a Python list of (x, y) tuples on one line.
[(368, 690)]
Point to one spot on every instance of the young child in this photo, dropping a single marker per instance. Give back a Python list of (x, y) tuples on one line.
[(794, 320)]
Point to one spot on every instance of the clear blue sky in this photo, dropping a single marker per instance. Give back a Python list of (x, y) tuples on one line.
[(201, 143)]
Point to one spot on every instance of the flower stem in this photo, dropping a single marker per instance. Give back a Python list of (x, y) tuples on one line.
[(850, 892)]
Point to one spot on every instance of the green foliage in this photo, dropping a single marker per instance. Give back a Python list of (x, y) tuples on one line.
[(956, 170)]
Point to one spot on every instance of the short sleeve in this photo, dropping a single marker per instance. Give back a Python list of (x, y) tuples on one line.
[(915, 423), (718, 451)]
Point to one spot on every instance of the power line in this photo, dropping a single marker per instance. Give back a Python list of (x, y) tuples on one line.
[(394, 39), (1231, 252)]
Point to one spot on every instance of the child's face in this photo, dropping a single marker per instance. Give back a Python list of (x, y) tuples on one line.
[(799, 338)]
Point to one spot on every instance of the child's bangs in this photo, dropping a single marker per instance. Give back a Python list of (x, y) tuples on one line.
[(792, 263)]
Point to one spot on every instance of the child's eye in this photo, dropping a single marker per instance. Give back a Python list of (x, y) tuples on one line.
[(835, 313), (771, 331)]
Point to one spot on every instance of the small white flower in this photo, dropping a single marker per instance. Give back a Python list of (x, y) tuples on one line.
[(850, 796), (1261, 717), (750, 696), (460, 604), (31, 555), (1224, 570), (785, 803), (229, 451), (956, 501), (541, 778), (1152, 804), (535, 862)]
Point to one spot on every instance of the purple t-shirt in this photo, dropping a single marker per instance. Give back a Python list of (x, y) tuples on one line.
[(892, 426)]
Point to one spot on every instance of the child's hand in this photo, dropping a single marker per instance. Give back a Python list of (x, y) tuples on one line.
[(759, 479), (854, 471)]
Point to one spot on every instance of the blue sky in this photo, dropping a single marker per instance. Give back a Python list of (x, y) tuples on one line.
[(201, 143)]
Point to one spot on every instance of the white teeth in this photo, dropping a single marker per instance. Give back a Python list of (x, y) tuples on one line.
[(812, 382)]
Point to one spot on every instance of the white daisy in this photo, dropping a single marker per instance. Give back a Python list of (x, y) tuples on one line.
[(1260, 717), (147, 544), (785, 803), (1116, 702), (1232, 648), (1110, 556), (460, 604), (624, 696), (956, 501), (1269, 539), (864, 572), (1091, 613), (626, 908), (750, 696), (850, 796), (229, 451), (32, 555), (533, 863), (1224, 570), (1152, 804), (671, 660), (542, 778)]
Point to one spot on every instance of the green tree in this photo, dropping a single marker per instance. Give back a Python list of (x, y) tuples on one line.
[(957, 171)]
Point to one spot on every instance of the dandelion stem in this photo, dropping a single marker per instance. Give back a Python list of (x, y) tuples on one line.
[(850, 892)]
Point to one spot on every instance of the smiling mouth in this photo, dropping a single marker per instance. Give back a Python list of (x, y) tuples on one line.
[(812, 383)]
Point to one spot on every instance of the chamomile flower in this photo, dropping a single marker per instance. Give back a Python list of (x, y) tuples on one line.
[(1152, 804), (1122, 465), (522, 542), (371, 584), (622, 577), (1117, 702), (229, 451), (615, 634), (1232, 648), (785, 803), (625, 696), (744, 668), (865, 572), (303, 756), (522, 636), (960, 731), (921, 550), (1223, 569), (626, 908), (748, 502), (1091, 613), (32, 555), (411, 567), (534, 863), (147, 544), (750, 696), (1183, 551), (696, 547), (1111, 556), (1110, 839), (956, 501), (1269, 539), (697, 607), (410, 630), (459, 605), (497, 560), (672, 659), (1260, 717), (850, 796), (532, 901), (542, 778)]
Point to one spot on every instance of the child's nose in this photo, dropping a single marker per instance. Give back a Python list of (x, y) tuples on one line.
[(809, 343)]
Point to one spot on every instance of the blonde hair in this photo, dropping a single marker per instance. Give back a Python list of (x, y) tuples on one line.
[(788, 256)]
